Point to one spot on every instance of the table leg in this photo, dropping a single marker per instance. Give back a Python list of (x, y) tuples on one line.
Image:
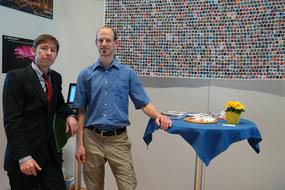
[(198, 174), (77, 175)]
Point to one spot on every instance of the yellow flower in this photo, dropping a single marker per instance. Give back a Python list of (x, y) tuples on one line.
[(235, 106)]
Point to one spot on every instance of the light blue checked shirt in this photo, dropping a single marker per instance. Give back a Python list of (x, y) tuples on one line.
[(104, 93)]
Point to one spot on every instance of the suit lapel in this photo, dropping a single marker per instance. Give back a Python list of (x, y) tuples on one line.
[(54, 82), (33, 78)]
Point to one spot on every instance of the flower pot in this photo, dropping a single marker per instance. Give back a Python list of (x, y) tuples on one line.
[(232, 117)]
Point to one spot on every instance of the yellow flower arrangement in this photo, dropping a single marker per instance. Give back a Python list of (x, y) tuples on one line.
[(235, 106)]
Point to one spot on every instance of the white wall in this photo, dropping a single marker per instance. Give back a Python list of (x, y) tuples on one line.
[(168, 163), (78, 22)]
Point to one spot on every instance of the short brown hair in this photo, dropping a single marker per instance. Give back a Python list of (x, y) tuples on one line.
[(108, 27), (45, 38)]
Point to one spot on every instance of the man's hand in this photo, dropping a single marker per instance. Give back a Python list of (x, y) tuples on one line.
[(30, 167), (80, 154), (163, 121), (72, 125)]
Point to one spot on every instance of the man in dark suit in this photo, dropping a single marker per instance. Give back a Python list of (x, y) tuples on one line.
[(31, 97)]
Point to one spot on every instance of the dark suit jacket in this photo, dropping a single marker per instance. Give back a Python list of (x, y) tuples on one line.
[(27, 121)]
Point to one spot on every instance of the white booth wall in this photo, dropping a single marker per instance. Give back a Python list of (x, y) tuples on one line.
[(168, 162)]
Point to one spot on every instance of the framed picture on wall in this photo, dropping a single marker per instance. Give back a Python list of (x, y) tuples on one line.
[(43, 8), (16, 53)]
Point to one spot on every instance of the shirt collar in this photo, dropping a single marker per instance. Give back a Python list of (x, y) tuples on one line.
[(37, 70), (116, 63)]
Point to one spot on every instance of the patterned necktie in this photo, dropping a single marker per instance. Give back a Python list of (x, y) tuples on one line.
[(48, 88)]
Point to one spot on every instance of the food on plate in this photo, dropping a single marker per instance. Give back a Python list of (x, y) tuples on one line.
[(201, 118)]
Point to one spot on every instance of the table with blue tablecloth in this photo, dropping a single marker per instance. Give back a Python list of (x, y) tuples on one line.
[(209, 140)]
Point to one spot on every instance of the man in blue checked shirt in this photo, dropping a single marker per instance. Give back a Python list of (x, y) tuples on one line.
[(101, 97)]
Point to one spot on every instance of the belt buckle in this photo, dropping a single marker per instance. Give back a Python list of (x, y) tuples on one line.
[(102, 132)]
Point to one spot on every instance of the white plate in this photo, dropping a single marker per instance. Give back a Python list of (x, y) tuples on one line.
[(196, 114), (174, 114)]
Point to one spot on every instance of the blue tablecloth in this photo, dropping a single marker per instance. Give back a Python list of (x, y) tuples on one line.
[(209, 140)]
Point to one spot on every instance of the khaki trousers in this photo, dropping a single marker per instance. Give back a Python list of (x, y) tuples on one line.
[(114, 149)]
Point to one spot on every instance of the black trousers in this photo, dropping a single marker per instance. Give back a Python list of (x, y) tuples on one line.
[(49, 178)]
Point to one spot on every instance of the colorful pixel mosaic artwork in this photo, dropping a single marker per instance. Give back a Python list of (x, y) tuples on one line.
[(205, 39)]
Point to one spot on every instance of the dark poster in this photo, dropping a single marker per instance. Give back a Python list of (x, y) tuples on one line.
[(43, 8), (16, 53)]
